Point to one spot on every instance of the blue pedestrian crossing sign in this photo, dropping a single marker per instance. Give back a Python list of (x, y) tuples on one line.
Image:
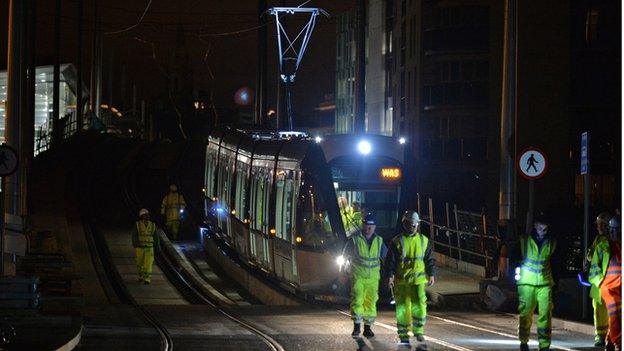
[(8, 160), (532, 163), (585, 153)]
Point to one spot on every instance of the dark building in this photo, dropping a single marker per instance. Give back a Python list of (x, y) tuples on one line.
[(446, 74), (446, 87)]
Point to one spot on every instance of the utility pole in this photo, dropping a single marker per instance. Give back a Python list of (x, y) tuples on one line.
[(79, 121), (57, 76), (507, 190), (94, 59), (98, 70), (261, 73), (360, 75), (13, 110), (27, 124)]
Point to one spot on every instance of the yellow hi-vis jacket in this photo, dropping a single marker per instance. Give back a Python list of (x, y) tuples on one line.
[(535, 268), (599, 263), (171, 205), (366, 260), (411, 268), (145, 234)]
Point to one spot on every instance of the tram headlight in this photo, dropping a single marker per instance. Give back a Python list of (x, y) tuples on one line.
[(340, 260), (318, 139), (402, 140), (517, 275), (364, 147)]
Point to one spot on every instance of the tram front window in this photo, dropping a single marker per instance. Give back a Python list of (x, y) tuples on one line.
[(355, 204), (367, 187)]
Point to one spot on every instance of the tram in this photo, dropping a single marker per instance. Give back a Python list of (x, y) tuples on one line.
[(274, 198)]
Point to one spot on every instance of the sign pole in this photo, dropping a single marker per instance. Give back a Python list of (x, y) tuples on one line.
[(531, 210), (2, 232), (586, 199), (532, 164)]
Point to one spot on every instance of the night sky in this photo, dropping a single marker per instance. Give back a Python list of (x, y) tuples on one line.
[(231, 58)]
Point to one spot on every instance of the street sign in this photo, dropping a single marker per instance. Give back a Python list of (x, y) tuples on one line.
[(532, 163), (585, 153), (8, 160)]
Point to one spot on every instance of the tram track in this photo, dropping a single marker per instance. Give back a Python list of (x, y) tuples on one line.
[(97, 243), (182, 279)]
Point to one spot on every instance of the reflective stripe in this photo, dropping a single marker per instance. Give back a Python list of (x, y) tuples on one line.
[(367, 258), (617, 303), (534, 270), (544, 331), (413, 259), (619, 272), (415, 275), (528, 260)]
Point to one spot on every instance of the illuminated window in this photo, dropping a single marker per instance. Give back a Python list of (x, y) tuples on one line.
[(591, 25)]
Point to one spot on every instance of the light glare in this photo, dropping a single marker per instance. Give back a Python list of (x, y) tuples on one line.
[(364, 147)]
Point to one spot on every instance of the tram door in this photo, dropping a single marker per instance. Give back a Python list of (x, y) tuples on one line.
[(287, 185), (259, 209)]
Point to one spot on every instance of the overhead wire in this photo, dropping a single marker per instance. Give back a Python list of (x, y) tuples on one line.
[(136, 24)]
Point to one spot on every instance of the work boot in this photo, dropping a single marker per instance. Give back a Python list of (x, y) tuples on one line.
[(368, 332), (146, 282), (420, 337), (356, 329), (609, 347), (524, 347), (544, 349), (600, 343), (405, 342)]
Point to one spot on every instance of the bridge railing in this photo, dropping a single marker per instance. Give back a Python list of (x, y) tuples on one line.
[(461, 236)]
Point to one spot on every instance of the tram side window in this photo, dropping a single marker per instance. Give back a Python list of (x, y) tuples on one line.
[(314, 222), (225, 182), (285, 204), (241, 190), (260, 202), (210, 173)]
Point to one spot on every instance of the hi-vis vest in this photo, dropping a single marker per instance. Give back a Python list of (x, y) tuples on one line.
[(535, 269), (599, 263), (411, 268), (606, 265), (366, 260), (146, 233), (171, 206)]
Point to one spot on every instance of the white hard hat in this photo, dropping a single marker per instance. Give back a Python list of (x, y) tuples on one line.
[(603, 218), (173, 187), (143, 211), (614, 222), (411, 216)]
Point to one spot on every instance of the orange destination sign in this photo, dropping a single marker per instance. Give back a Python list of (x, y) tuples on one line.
[(391, 173)]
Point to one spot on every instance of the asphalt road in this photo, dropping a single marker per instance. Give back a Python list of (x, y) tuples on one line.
[(196, 327)]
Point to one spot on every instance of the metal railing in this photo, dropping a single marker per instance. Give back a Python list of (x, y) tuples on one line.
[(466, 236)]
